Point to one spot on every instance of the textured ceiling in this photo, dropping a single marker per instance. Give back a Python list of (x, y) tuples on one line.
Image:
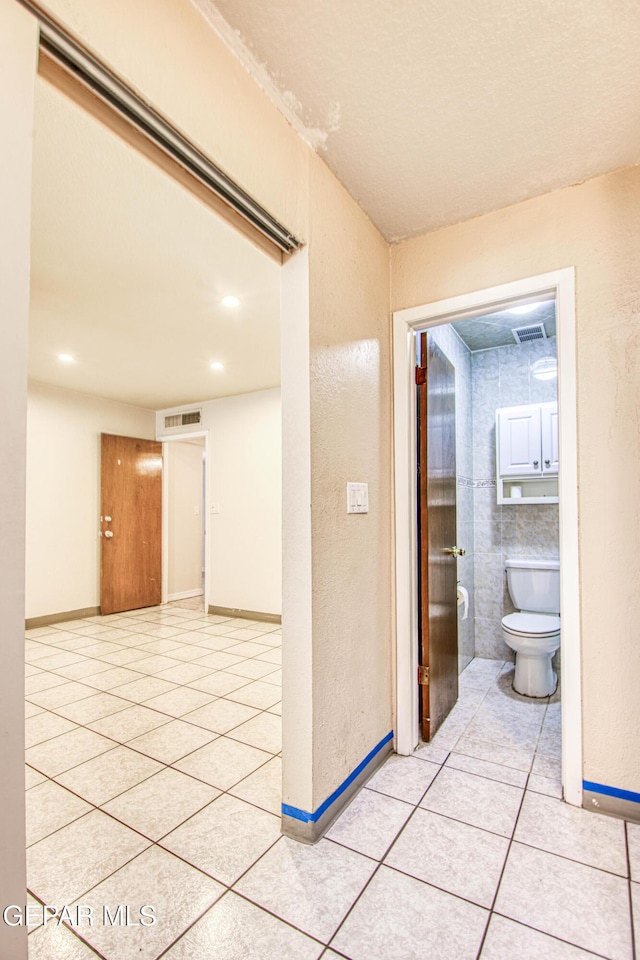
[(494, 329), (431, 113), (128, 273)]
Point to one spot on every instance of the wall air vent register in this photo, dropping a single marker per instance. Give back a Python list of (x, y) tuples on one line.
[(533, 331), (186, 419)]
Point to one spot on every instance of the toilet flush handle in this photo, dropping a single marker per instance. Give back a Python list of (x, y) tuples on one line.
[(455, 551)]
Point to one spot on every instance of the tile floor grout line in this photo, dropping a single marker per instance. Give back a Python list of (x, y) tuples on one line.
[(227, 791), (85, 726), (562, 856), (166, 766), (134, 665), (73, 931), (380, 863), (76, 765), (634, 946), (492, 833), (436, 886), (96, 640), (509, 847), (504, 867), (100, 807), (116, 743), (400, 829), (483, 776), (260, 711), (337, 930), (230, 890), (552, 936), (110, 874), (75, 819), (143, 703), (150, 845), (221, 793)]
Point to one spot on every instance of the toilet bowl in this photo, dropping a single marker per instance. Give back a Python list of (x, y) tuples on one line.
[(533, 633)]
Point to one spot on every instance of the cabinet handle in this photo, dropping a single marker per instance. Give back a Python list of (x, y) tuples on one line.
[(536, 463), (547, 463)]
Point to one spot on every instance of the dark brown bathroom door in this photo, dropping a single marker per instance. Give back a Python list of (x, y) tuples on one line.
[(130, 523), (438, 620)]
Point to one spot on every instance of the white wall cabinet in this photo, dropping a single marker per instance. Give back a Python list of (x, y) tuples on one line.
[(527, 453), (549, 436)]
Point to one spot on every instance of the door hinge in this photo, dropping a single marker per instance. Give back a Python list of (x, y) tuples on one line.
[(421, 376), (423, 676)]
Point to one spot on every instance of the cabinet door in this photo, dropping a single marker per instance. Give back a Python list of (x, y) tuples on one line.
[(519, 441), (549, 429)]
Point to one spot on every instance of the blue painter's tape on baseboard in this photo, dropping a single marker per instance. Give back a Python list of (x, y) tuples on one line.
[(288, 811), (611, 791)]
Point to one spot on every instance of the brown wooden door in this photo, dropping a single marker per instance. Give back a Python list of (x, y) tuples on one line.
[(131, 523), (438, 620)]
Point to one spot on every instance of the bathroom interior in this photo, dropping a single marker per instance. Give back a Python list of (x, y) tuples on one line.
[(507, 509)]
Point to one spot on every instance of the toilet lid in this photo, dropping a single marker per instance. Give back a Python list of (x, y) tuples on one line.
[(534, 624)]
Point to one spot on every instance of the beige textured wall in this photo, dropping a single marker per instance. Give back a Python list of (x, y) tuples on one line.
[(596, 228), (63, 493), (18, 39), (244, 473), (246, 483), (350, 440)]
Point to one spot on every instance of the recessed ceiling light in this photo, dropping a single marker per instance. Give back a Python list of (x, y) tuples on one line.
[(216, 365), (230, 301), (525, 307), (66, 358)]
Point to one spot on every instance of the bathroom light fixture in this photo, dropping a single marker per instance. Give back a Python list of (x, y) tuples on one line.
[(66, 358), (230, 301), (546, 368), (216, 365), (524, 308)]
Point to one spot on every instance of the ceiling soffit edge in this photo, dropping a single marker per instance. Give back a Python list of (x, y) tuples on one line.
[(285, 101)]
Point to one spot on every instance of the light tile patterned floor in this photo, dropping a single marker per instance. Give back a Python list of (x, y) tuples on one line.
[(153, 744)]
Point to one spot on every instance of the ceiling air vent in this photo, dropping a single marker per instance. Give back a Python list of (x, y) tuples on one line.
[(533, 331), (182, 419)]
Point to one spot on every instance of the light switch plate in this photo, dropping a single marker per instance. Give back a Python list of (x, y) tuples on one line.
[(357, 498)]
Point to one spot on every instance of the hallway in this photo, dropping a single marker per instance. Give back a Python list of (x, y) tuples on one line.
[(154, 779)]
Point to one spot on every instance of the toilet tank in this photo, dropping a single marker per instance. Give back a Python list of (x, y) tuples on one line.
[(534, 584)]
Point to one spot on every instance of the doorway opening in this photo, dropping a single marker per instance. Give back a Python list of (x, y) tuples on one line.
[(481, 315), (176, 707), (184, 513)]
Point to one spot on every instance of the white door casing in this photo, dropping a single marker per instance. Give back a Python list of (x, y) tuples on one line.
[(561, 284)]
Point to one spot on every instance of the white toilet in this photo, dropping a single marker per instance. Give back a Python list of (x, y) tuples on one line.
[(534, 632)]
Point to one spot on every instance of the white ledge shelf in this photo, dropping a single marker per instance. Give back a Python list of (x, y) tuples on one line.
[(534, 490)]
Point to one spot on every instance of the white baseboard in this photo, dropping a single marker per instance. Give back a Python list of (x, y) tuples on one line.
[(185, 595)]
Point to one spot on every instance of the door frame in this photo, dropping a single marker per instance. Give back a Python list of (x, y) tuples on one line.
[(193, 435), (405, 323)]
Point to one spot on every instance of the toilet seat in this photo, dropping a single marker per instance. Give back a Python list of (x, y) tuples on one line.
[(531, 624)]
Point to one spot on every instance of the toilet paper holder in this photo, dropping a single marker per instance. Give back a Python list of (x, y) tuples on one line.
[(463, 601)]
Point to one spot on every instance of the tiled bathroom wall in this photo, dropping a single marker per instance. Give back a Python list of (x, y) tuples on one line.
[(459, 355), (501, 378)]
